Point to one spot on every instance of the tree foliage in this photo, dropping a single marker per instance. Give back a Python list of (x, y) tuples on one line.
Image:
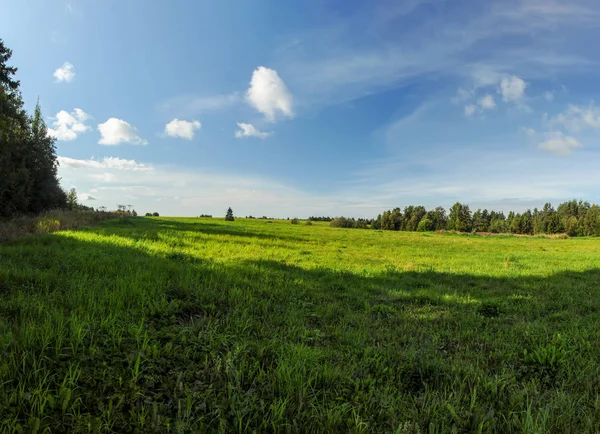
[(229, 216), (28, 164), (575, 218)]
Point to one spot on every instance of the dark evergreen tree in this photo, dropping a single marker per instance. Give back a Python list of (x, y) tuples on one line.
[(28, 165), (229, 216)]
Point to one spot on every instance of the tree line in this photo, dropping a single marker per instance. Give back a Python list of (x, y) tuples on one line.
[(575, 218), (28, 164)]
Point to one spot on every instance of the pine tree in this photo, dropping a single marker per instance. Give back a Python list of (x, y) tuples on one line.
[(229, 216), (46, 191), (15, 182), (28, 166)]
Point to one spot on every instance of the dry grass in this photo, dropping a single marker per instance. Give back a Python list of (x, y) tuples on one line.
[(51, 221)]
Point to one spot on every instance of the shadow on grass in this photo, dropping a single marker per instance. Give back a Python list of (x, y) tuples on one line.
[(228, 229), (277, 347)]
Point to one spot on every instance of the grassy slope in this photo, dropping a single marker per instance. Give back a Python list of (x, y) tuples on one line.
[(198, 324)]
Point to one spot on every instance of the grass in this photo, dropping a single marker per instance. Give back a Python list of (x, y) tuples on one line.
[(196, 325)]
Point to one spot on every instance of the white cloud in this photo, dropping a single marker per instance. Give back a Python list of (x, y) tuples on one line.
[(559, 144), (248, 130), (182, 129), (67, 126), (104, 177), (65, 73), (470, 110), (529, 131), (512, 88), (86, 196), (487, 102), (115, 131), (269, 95), (549, 96), (107, 163), (577, 118)]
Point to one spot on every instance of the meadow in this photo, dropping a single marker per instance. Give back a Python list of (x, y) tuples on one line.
[(202, 325)]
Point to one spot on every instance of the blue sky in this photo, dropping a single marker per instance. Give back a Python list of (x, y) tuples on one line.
[(301, 108)]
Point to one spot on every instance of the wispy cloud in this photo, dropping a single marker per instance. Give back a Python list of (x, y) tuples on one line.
[(249, 130), (106, 163), (560, 144), (193, 105), (470, 47)]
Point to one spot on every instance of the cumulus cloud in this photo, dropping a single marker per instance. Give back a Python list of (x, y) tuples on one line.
[(487, 102), (549, 96), (115, 131), (559, 144), (65, 73), (269, 95), (85, 196), (67, 126), (512, 88), (577, 118), (529, 131), (182, 129), (248, 130), (106, 163)]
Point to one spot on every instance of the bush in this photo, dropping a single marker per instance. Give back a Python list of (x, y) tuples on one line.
[(342, 222), (308, 223), (148, 214), (425, 225), (47, 225), (295, 221), (155, 214)]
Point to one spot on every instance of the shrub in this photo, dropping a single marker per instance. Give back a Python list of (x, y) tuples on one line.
[(295, 221), (47, 225), (308, 223), (342, 222), (155, 214), (425, 225), (148, 214)]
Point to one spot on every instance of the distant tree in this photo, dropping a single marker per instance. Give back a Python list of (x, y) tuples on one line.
[(342, 222), (72, 199), (229, 216), (134, 213), (155, 214), (459, 218), (148, 214), (591, 221), (425, 225), (295, 221)]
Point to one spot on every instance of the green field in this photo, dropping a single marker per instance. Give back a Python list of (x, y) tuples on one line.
[(195, 325)]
